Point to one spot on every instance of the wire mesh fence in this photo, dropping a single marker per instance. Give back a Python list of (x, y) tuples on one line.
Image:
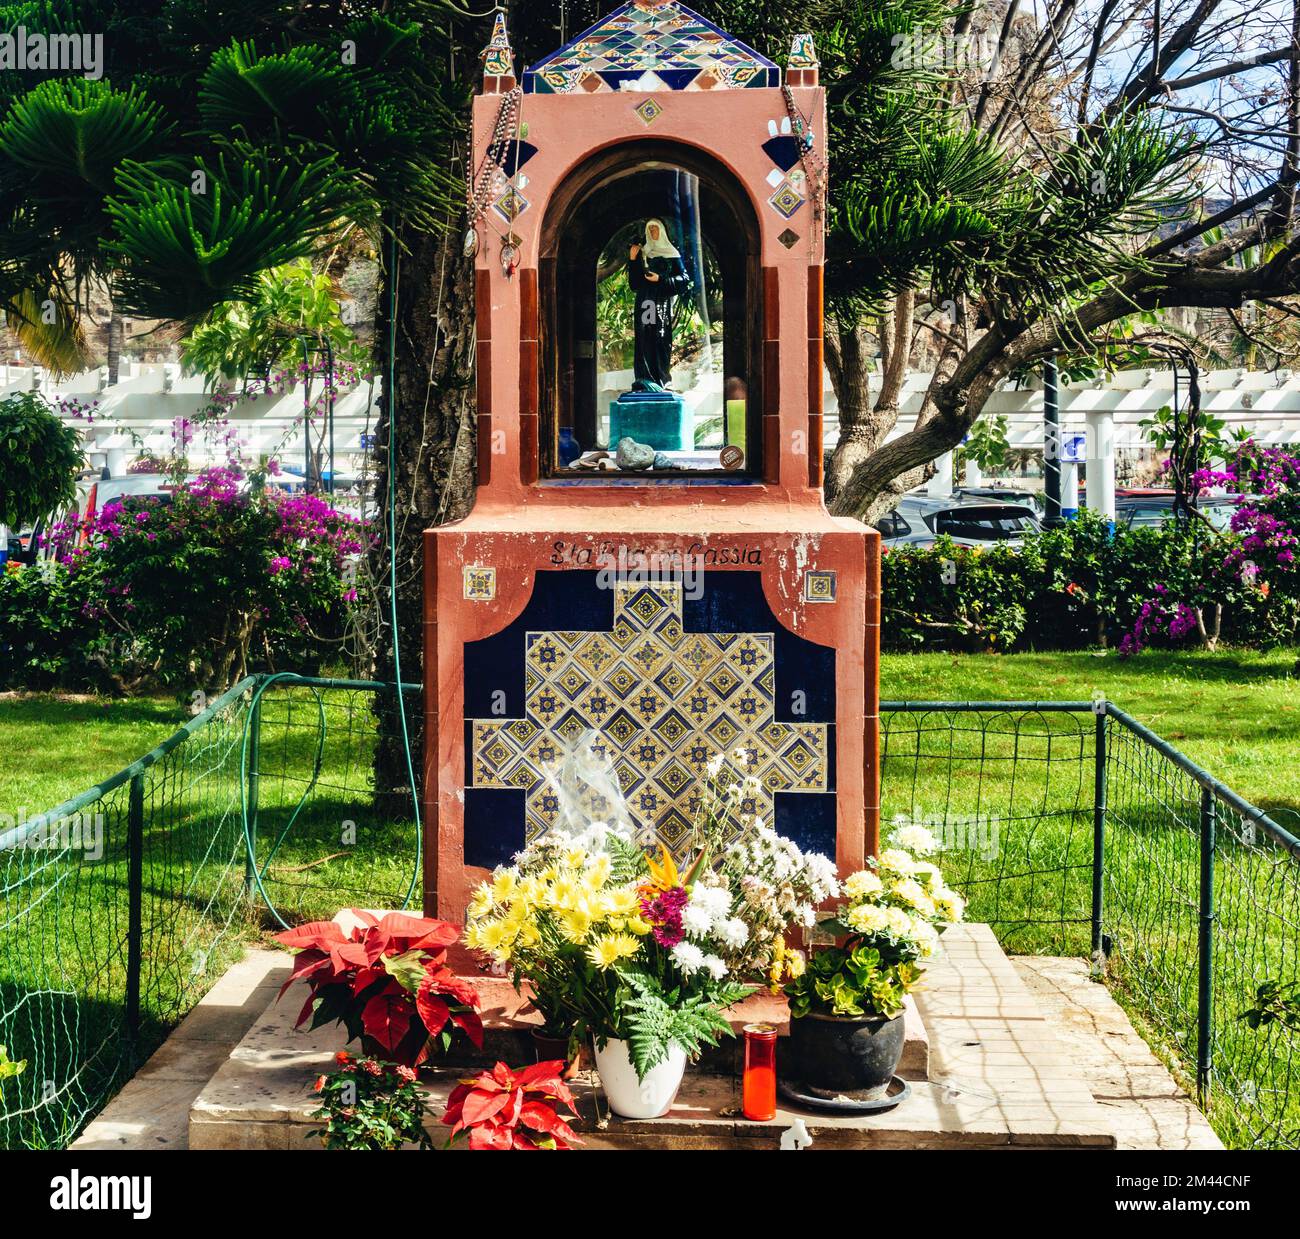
[(319, 838), (1072, 830), (116, 909), (1007, 790), (120, 908), (1199, 920)]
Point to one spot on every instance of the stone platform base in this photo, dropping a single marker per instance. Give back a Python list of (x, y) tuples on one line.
[(1033, 1028), (998, 1078)]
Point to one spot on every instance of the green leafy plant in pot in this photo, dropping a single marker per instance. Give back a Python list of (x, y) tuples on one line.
[(846, 1028)]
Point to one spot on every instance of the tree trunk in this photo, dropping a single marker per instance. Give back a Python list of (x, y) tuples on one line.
[(849, 356), (890, 471), (434, 482), (115, 338), (864, 427)]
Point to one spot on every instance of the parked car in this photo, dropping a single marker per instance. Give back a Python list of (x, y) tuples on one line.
[(1003, 494), (1136, 509), (919, 520)]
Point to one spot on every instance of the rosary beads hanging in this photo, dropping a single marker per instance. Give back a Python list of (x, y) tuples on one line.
[(482, 186)]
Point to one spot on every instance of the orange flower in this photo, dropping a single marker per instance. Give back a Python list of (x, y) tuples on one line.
[(663, 872)]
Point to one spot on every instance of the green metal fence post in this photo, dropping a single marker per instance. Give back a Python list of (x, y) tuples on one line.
[(1099, 834), (254, 770), (1205, 950), (135, 907)]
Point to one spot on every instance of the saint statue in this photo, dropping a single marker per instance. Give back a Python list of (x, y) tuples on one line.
[(658, 277)]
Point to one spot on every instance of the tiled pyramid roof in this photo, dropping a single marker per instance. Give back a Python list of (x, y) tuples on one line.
[(645, 46)]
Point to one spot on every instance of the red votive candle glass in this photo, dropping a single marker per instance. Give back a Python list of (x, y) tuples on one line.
[(758, 1087)]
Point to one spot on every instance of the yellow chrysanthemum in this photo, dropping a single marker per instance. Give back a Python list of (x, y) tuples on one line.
[(597, 873), (529, 892), (494, 936), (858, 886), (566, 894), (480, 903), (607, 951), (515, 920), (639, 926), (503, 885), (913, 893), (623, 901), (896, 861), (868, 918), (575, 925)]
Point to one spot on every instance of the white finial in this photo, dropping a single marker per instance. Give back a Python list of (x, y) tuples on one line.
[(796, 1136)]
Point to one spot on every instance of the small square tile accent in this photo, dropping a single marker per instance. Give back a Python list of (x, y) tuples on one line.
[(819, 586), (480, 584), (786, 201), (511, 205), (789, 238), (649, 111)]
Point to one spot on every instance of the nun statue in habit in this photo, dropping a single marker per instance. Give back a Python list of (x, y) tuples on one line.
[(658, 277)]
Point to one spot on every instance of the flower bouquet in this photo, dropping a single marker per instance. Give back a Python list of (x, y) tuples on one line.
[(601, 930), (386, 981), (619, 943), (846, 1029)]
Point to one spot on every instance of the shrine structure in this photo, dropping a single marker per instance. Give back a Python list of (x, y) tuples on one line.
[(664, 602)]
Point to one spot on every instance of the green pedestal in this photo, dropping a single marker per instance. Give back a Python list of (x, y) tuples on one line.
[(660, 420)]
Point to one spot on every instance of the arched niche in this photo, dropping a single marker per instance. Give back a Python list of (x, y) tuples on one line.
[(592, 209)]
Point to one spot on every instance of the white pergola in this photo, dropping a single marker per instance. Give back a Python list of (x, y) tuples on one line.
[(139, 411), (1107, 411), (138, 414)]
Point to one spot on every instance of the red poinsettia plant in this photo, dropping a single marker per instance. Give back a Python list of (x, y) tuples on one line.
[(503, 1109), (386, 981)]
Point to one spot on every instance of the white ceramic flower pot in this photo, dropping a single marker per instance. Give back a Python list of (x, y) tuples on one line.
[(639, 1099)]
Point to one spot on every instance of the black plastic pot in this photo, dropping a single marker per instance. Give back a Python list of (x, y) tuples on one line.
[(842, 1056)]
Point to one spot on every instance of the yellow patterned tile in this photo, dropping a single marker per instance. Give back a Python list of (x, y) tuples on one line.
[(662, 703)]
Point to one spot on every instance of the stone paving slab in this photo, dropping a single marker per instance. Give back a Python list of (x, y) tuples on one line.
[(1027, 1096), (1145, 1105), (152, 1111)]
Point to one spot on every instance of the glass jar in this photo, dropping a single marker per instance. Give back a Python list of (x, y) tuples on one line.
[(758, 1087)]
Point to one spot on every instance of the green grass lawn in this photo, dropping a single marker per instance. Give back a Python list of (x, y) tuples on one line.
[(1236, 713), (1027, 774), (57, 746)]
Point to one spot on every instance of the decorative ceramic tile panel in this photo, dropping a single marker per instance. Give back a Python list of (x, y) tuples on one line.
[(803, 52), (651, 46), (664, 702)]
